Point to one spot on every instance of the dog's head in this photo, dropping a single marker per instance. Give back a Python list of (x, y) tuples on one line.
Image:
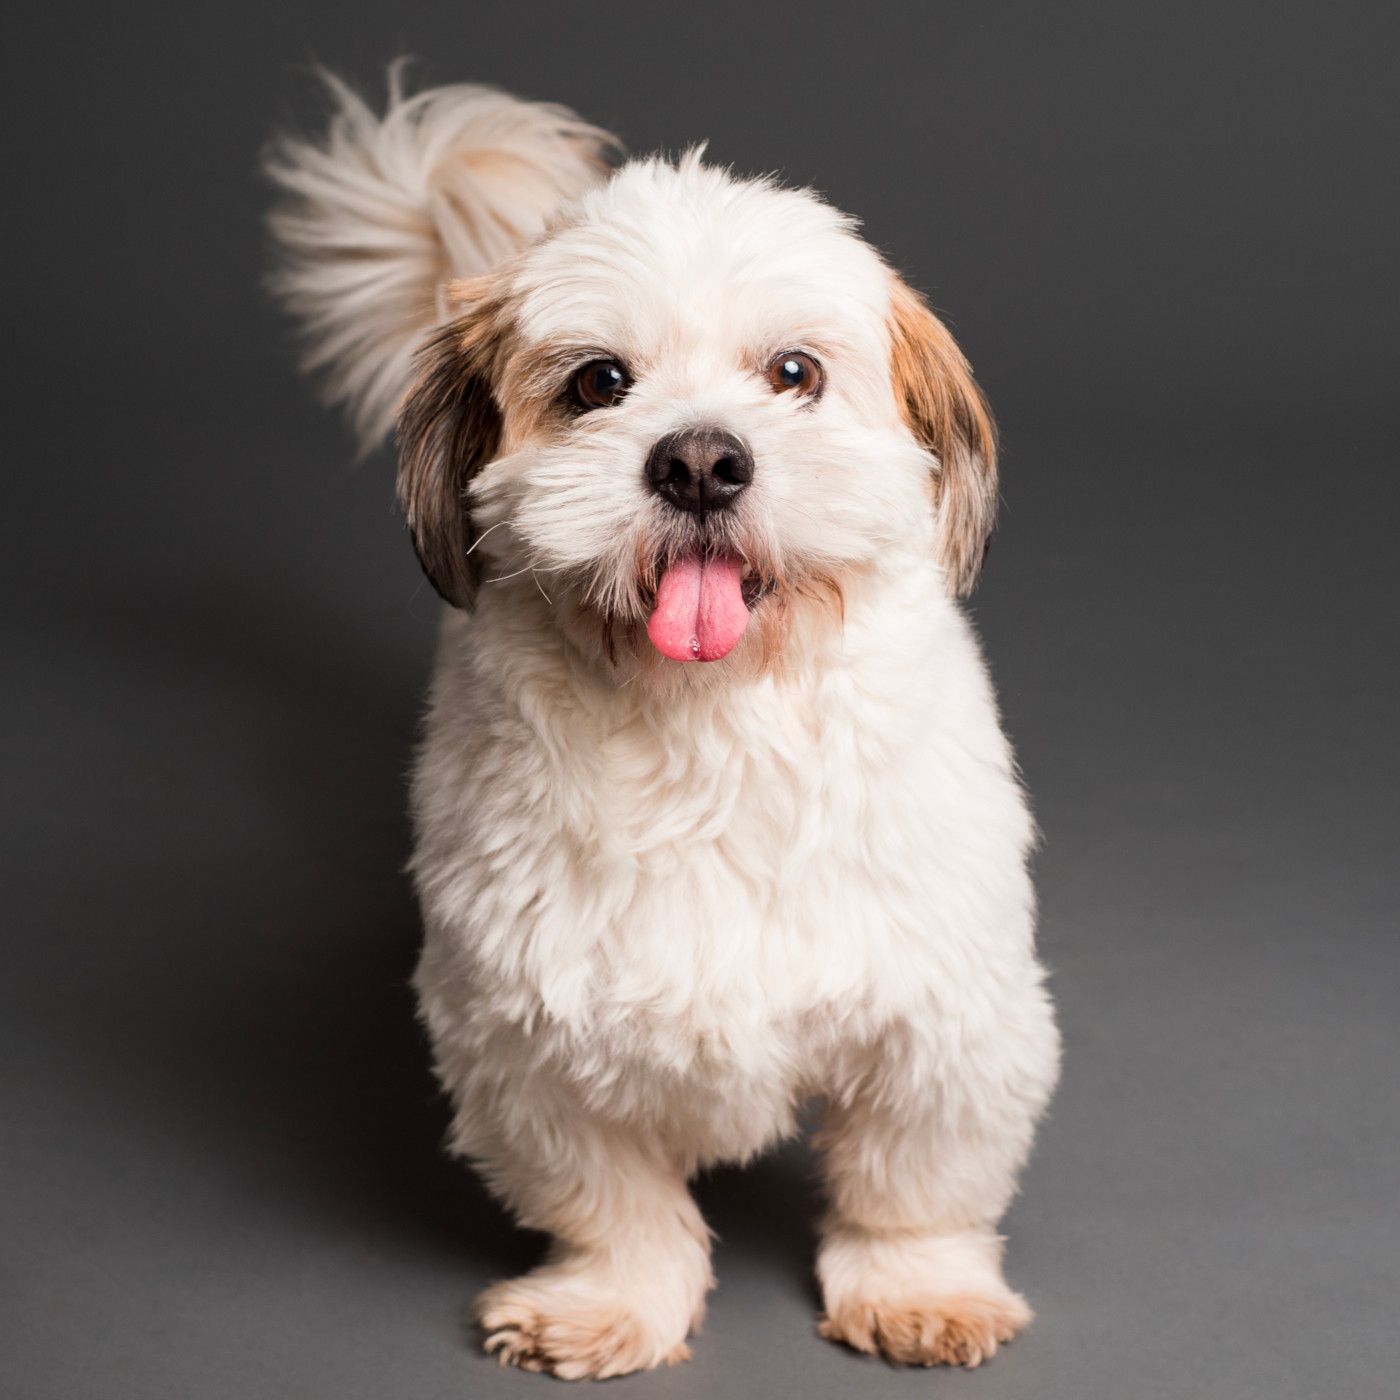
[(693, 409)]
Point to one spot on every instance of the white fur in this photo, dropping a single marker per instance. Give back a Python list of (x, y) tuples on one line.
[(382, 211), (666, 905)]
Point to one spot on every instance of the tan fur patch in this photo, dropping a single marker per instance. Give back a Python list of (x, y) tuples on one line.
[(945, 410), (962, 1329), (538, 369)]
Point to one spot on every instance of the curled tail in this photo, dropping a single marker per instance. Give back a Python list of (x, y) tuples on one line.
[(378, 215)]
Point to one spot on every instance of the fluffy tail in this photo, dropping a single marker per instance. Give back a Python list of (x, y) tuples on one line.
[(378, 216)]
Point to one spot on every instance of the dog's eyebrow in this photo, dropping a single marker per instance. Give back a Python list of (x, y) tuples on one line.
[(760, 354), (539, 371)]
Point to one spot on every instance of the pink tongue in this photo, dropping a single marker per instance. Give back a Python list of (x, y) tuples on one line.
[(699, 613)]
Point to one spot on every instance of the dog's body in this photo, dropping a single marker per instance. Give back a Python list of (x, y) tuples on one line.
[(667, 904)]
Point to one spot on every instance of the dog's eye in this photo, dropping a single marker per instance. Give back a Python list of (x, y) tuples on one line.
[(795, 372), (600, 384)]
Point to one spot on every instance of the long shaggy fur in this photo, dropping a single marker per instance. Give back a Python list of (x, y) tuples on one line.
[(383, 210), (667, 904)]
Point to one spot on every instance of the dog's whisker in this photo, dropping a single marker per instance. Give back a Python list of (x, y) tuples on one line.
[(483, 535), (506, 578)]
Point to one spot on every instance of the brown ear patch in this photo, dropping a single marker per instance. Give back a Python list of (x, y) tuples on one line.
[(449, 427), (945, 410)]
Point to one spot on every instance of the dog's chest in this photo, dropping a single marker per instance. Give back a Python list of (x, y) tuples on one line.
[(719, 884), (728, 865)]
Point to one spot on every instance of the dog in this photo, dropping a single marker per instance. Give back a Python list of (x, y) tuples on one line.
[(714, 816)]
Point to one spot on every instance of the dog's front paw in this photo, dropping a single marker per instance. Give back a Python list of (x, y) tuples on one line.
[(573, 1330), (960, 1329)]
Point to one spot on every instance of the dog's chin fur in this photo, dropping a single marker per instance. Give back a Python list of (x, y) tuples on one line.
[(789, 616), (667, 904), (791, 623)]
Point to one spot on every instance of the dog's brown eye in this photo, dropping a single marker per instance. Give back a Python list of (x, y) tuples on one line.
[(794, 372), (600, 384)]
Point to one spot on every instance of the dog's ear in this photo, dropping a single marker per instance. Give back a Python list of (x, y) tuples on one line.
[(449, 427), (945, 410)]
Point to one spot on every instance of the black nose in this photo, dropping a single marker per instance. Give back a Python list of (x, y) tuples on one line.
[(700, 469)]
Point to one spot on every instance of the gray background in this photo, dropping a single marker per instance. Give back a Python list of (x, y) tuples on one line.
[(1167, 237)]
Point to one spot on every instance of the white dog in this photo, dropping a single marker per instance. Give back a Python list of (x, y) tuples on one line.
[(658, 415)]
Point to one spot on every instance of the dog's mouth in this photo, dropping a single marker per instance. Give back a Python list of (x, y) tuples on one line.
[(702, 606)]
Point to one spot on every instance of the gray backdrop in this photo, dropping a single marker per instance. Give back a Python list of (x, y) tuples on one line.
[(1166, 235)]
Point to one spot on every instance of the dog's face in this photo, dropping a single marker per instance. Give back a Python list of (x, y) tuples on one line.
[(696, 403)]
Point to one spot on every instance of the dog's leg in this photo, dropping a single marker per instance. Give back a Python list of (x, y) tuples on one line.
[(625, 1281), (910, 1260)]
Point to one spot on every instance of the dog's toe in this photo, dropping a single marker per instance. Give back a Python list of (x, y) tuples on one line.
[(572, 1339), (962, 1329)]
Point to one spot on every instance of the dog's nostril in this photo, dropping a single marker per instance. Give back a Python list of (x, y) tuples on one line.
[(731, 471), (677, 473)]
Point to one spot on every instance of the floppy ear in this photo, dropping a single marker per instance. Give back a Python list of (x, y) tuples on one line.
[(945, 410), (448, 428)]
